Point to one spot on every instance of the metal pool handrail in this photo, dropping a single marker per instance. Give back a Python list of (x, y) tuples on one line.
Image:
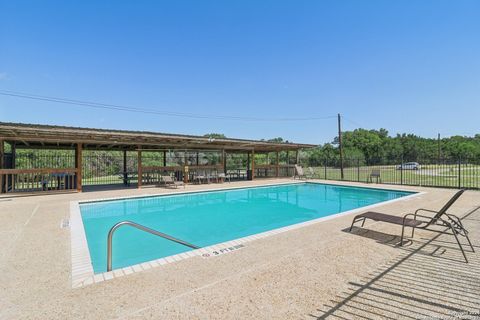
[(143, 228)]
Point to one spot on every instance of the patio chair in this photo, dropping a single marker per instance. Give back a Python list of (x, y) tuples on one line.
[(441, 218), (299, 172), (199, 176), (209, 176), (168, 180), (311, 173), (375, 174), (222, 176)]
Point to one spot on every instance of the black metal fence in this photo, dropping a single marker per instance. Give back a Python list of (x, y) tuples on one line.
[(104, 168), (38, 170), (447, 173), (109, 167), (35, 159)]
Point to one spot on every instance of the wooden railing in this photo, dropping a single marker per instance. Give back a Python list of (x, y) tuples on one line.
[(37, 180), (270, 170), (161, 168), (151, 174)]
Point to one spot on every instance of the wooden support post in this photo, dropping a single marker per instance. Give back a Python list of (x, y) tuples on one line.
[(164, 158), (297, 158), (198, 160), (277, 166), (2, 156), (185, 164), (140, 172), (288, 163), (14, 155), (124, 161), (224, 160), (253, 164), (79, 166)]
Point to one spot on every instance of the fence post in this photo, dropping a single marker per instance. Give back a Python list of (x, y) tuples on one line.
[(139, 168), (401, 171), (459, 174), (358, 170), (79, 166), (325, 166)]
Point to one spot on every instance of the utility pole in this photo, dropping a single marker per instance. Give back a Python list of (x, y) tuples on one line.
[(340, 147), (439, 148)]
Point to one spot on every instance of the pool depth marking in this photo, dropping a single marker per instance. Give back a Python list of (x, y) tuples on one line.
[(215, 253)]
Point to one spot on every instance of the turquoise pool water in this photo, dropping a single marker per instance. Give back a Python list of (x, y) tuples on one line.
[(208, 218)]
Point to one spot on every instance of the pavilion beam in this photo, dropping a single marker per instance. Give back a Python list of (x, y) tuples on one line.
[(22, 140), (139, 168), (16, 135), (78, 165)]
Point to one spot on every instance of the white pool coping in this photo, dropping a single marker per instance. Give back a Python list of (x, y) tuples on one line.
[(82, 268)]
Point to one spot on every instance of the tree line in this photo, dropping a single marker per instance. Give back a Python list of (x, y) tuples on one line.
[(377, 146)]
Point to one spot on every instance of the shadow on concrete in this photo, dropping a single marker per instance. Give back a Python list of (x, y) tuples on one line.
[(428, 280)]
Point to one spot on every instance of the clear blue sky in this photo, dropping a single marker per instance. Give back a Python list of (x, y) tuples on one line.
[(408, 66)]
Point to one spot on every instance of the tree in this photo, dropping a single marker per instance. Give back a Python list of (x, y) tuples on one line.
[(277, 140)]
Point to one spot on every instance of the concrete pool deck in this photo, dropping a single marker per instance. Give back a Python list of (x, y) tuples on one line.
[(317, 271)]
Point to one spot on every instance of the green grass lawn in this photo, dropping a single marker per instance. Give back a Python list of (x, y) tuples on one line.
[(112, 179), (430, 175)]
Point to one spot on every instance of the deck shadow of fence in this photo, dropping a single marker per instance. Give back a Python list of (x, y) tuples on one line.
[(428, 280)]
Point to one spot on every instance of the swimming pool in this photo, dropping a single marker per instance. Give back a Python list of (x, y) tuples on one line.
[(208, 218)]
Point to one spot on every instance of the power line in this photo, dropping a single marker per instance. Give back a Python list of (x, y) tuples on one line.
[(116, 107), (353, 122)]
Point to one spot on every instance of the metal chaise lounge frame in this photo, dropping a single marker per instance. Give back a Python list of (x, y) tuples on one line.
[(168, 180), (299, 172), (441, 218)]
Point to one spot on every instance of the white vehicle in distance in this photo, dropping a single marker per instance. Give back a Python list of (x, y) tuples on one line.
[(409, 166)]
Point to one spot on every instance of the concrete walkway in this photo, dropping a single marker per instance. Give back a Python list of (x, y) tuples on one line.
[(318, 271)]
